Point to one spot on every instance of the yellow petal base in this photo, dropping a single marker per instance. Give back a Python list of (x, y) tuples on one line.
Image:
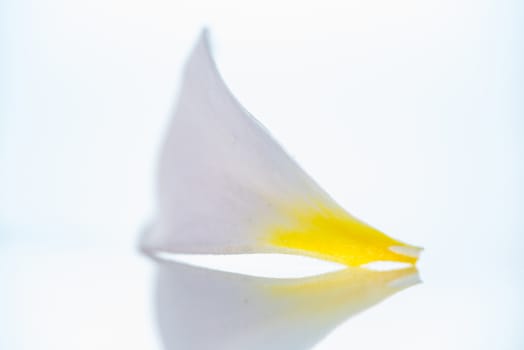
[(334, 235)]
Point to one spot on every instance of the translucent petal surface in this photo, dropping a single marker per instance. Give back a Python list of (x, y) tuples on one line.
[(226, 186), (199, 308)]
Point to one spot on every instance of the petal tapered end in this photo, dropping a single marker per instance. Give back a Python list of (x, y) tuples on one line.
[(407, 251)]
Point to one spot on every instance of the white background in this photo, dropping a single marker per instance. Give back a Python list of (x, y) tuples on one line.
[(410, 113)]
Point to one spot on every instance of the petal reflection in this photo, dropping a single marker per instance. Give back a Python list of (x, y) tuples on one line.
[(198, 308)]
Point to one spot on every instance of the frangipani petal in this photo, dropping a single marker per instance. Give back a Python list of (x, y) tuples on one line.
[(226, 186)]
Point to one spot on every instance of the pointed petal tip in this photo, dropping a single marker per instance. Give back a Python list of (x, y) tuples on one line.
[(204, 34), (409, 251), (203, 42)]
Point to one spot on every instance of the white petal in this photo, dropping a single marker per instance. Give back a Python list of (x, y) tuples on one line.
[(222, 178)]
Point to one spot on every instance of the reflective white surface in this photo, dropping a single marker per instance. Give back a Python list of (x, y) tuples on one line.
[(425, 96), (208, 309), (86, 300)]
